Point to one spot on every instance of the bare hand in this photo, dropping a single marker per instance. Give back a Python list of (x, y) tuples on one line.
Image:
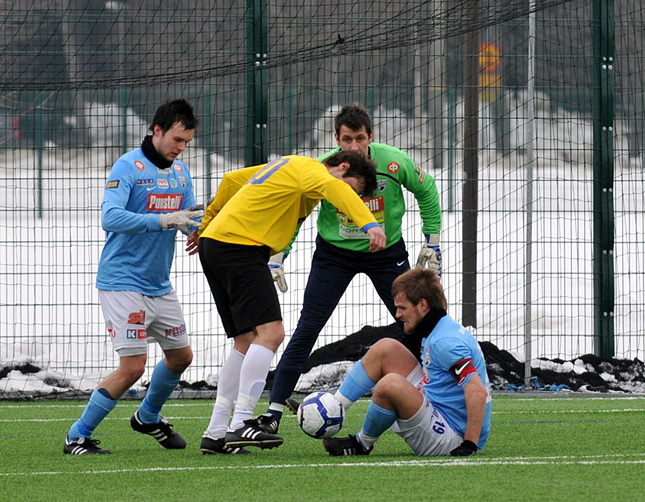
[(377, 239), (192, 242)]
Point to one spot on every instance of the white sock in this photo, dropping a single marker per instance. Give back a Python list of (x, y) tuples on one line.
[(365, 440), (276, 407), (343, 400), (227, 390), (253, 375)]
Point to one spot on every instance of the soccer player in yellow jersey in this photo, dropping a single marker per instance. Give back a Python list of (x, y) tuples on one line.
[(254, 214)]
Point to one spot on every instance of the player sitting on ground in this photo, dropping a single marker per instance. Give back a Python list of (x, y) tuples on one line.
[(440, 407)]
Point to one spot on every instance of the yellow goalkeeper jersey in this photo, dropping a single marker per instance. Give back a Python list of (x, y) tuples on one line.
[(262, 205)]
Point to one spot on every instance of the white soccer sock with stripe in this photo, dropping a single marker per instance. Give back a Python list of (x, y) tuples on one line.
[(228, 387), (253, 374)]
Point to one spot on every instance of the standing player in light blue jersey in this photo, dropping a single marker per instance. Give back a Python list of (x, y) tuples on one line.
[(441, 406), (148, 197)]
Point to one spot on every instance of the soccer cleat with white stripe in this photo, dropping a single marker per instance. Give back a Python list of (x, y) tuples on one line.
[(83, 446), (338, 447), (250, 434), (162, 431), (211, 446), (268, 423)]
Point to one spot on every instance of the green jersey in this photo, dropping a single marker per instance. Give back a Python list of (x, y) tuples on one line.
[(394, 170)]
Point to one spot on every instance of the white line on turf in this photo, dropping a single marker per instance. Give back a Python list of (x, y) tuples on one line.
[(289, 416), (619, 459)]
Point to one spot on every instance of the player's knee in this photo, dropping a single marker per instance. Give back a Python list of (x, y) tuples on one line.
[(270, 335), (132, 370), (178, 361), (183, 363), (384, 348), (276, 339), (188, 360), (388, 387)]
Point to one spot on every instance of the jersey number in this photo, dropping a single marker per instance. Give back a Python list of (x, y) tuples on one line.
[(262, 175), (439, 427)]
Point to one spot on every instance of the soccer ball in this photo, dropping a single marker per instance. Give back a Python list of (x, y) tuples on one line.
[(320, 415)]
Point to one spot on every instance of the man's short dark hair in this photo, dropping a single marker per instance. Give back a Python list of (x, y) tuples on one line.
[(354, 117), (419, 283), (178, 110), (360, 167)]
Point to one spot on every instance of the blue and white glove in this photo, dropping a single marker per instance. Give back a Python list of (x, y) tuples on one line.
[(430, 254), (277, 270)]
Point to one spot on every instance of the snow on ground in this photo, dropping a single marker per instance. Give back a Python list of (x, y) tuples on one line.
[(50, 314), (28, 381)]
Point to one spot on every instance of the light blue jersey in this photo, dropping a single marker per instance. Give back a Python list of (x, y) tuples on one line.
[(137, 255), (448, 343)]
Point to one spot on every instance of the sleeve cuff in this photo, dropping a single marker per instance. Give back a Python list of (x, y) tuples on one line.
[(153, 224), (432, 239), (365, 228)]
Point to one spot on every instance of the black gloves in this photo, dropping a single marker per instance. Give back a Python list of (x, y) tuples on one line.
[(465, 449)]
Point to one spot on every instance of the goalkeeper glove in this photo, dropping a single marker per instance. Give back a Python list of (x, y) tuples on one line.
[(277, 270), (183, 219), (465, 449), (430, 254)]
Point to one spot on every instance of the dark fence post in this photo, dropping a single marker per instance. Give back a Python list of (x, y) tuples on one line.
[(471, 168), (603, 174)]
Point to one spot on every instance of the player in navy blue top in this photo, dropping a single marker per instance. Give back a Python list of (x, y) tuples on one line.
[(441, 406), (148, 197)]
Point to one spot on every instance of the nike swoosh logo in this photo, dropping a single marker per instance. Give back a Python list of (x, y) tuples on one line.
[(149, 189), (458, 372), (399, 263)]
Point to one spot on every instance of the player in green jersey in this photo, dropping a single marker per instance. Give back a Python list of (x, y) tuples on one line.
[(342, 251)]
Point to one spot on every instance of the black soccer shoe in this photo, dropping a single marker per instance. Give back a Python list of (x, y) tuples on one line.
[(338, 447), (162, 431), (293, 404), (83, 446), (250, 434), (269, 423), (210, 446)]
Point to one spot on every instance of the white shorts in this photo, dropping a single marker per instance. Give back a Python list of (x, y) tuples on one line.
[(134, 320), (427, 433)]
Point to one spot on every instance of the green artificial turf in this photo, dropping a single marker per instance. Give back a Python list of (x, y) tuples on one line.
[(540, 449)]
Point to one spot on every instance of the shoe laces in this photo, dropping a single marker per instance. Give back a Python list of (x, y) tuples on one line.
[(88, 443), (269, 421)]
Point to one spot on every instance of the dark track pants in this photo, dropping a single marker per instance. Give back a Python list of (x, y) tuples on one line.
[(332, 269)]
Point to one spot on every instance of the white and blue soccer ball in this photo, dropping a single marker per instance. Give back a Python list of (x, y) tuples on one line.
[(321, 415)]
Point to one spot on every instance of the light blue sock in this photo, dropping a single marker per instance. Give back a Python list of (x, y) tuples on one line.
[(357, 383), (162, 383), (96, 410), (377, 420)]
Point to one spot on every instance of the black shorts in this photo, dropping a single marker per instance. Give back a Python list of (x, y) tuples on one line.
[(241, 283)]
